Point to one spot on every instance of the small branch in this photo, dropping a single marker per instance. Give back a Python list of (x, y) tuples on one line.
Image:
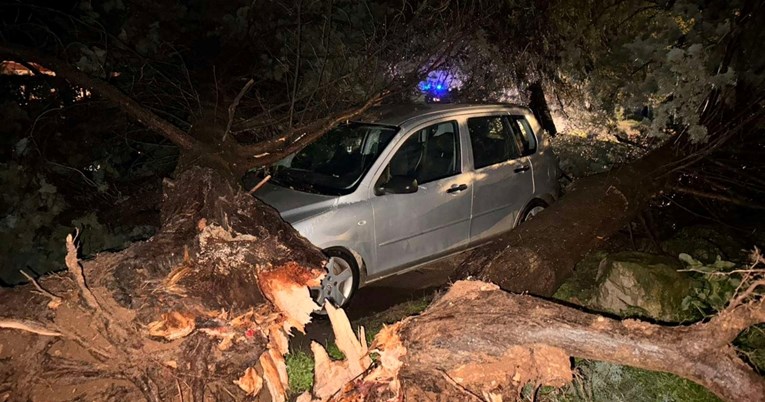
[(275, 149), (260, 184), (298, 51), (718, 197), (55, 301), (28, 326), (748, 292), (235, 104), (75, 269)]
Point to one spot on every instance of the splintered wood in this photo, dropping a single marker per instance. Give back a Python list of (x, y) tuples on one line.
[(287, 288), (171, 326), (332, 375)]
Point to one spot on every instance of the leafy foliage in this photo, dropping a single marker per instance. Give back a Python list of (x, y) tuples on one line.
[(716, 290)]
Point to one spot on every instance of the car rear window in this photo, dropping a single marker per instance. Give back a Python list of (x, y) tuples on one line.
[(496, 139)]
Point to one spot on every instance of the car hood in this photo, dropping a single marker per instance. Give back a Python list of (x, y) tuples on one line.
[(294, 205)]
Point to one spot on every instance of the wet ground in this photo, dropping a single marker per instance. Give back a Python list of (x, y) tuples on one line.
[(380, 296)]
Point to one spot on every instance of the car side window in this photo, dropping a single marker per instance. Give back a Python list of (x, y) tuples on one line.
[(525, 138), (429, 154), (493, 140)]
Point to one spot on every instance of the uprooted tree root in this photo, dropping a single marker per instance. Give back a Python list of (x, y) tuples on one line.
[(480, 343), (202, 311)]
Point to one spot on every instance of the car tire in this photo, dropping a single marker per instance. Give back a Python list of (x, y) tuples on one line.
[(341, 281), (535, 206)]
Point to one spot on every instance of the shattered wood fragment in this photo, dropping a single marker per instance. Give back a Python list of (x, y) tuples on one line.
[(250, 382), (287, 288), (354, 349), (174, 325), (272, 369)]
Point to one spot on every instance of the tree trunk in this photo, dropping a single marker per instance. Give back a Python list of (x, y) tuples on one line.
[(480, 343), (540, 254), (210, 298), (538, 105)]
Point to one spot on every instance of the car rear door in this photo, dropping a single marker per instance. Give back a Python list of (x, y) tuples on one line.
[(434, 220), (503, 181)]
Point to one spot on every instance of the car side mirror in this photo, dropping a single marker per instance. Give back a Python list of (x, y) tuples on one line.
[(397, 185)]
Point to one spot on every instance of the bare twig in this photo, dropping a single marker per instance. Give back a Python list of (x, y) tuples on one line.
[(55, 301), (298, 52), (260, 184), (75, 269), (234, 104), (718, 197), (748, 292), (28, 326)]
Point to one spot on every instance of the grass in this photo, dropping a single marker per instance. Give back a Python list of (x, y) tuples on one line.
[(300, 363), (300, 371), (600, 381)]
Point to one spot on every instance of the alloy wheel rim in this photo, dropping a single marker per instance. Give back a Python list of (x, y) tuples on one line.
[(534, 212), (337, 283)]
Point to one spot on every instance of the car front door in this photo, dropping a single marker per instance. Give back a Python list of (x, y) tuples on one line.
[(503, 181), (435, 219)]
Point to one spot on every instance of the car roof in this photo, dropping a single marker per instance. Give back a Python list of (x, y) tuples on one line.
[(399, 114)]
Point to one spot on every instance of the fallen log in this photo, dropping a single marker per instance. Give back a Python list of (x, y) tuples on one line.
[(478, 342), (539, 255)]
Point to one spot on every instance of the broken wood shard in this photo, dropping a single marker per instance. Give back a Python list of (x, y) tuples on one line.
[(275, 374), (172, 326), (330, 376), (287, 288), (250, 382), (353, 346)]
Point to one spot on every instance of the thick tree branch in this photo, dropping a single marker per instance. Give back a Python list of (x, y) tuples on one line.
[(107, 91), (513, 339)]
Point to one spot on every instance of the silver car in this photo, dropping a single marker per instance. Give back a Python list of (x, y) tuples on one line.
[(407, 185)]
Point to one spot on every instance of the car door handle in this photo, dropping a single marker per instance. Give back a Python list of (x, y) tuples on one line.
[(522, 169), (457, 188)]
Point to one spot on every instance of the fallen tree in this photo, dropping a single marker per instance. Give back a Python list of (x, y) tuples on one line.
[(209, 299), (202, 309), (480, 343)]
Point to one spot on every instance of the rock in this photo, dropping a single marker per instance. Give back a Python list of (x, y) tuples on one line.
[(633, 283)]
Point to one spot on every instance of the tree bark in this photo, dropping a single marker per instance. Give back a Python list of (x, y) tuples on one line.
[(478, 342), (183, 314), (540, 254)]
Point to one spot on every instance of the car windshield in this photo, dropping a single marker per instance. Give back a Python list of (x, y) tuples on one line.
[(334, 164)]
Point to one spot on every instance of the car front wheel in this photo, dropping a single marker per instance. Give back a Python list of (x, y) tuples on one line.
[(341, 281), (534, 208)]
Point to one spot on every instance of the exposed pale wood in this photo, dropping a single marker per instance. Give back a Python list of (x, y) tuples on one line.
[(250, 382), (275, 374), (331, 376), (353, 346), (28, 326), (73, 265)]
